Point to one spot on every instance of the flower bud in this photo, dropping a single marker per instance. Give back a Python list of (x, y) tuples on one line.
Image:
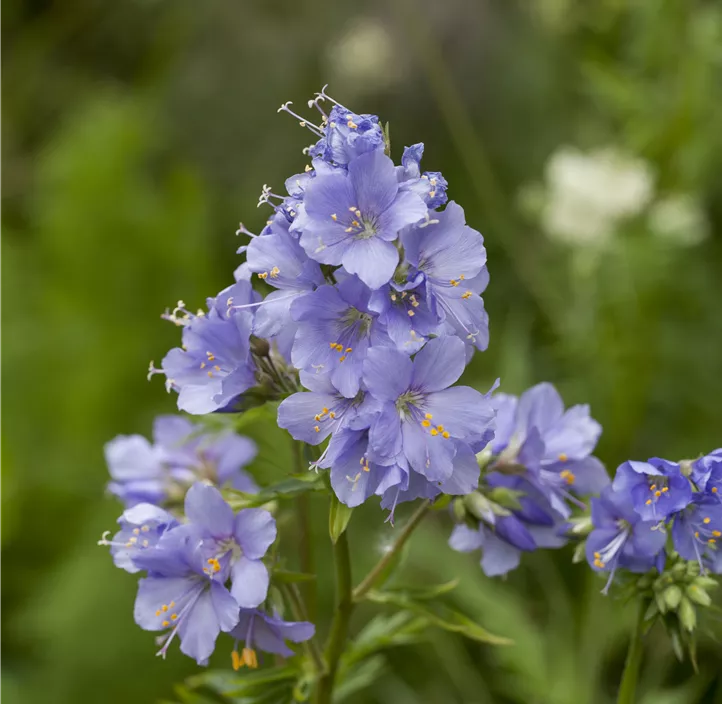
[(698, 596), (672, 597), (687, 615)]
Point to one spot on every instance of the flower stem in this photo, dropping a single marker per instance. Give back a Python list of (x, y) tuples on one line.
[(628, 685), (339, 625), (373, 576), (305, 538), (299, 613)]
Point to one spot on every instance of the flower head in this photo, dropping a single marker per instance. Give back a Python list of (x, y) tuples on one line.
[(258, 630)]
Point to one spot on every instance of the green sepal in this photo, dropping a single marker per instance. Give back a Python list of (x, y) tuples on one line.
[(338, 517)]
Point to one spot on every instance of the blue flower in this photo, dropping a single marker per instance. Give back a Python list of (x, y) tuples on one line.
[(707, 474), (452, 258), (182, 453), (347, 136), (233, 545), (621, 537), (431, 186), (697, 529), (352, 218), (554, 444), (141, 527), (181, 596), (278, 259), (657, 487), (214, 365), (261, 631), (421, 417), (335, 330)]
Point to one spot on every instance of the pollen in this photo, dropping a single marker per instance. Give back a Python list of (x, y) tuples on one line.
[(164, 608), (263, 275), (165, 624), (454, 282), (714, 489), (648, 502), (665, 489), (215, 566), (563, 457), (348, 349), (410, 313), (653, 487), (434, 431), (275, 272), (711, 541), (334, 216), (351, 125), (145, 529), (173, 617), (445, 434), (426, 423), (466, 295), (331, 415), (211, 356), (236, 660), (717, 533), (342, 359), (658, 493), (696, 534), (317, 428), (706, 520), (428, 416), (136, 531), (567, 476), (158, 613), (249, 658), (210, 373)]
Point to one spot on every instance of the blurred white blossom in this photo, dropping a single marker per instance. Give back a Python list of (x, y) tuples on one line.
[(364, 57), (679, 219), (588, 194)]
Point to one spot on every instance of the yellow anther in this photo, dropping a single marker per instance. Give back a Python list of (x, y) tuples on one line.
[(696, 534), (324, 411), (440, 428), (211, 356), (665, 489), (317, 417), (334, 216), (426, 423), (707, 519), (331, 415), (432, 193), (158, 613), (434, 431), (136, 531), (145, 529), (342, 359), (716, 533), (410, 313), (263, 275), (356, 223), (714, 489), (203, 365), (236, 660), (445, 434), (567, 476), (658, 494), (173, 617), (210, 373), (317, 428), (466, 295), (171, 605), (711, 541), (563, 457), (597, 555), (653, 487), (165, 624), (164, 608), (215, 565), (348, 349), (216, 367), (428, 416), (454, 282), (351, 125), (250, 658), (275, 272), (647, 502)]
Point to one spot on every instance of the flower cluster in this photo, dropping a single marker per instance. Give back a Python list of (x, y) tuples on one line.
[(181, 453), (646, 502), (205, 575), (538, 465)]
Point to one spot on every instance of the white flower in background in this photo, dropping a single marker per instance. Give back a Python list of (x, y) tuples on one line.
[(588, 194), (679, 219), (364, 57)]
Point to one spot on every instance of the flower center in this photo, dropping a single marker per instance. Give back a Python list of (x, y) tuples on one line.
[(658, 489)]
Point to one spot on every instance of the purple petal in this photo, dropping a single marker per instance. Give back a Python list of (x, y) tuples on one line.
[(297, 414), (249, 582), (464, 539), (439, 364), (199, 629), (374, 181), (499, 557), (205, 507), (255, 531), (462, 411), (372, 259), (386, 373)]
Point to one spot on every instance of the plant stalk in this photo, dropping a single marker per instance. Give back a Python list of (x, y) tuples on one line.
[(628, 685), (373, 576), (339, 625)]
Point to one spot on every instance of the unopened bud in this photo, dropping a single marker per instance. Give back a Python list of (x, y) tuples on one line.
[(698, 596), (260, 347), (672, 597), (479, 506), (687, 615), (459, 510)]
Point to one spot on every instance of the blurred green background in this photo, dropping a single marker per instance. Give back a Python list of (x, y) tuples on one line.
[(137, 133)]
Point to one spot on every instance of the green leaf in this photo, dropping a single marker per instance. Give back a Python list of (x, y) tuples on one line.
[(359, 678), (249, 683), (288, 577), (295, 485), (421, 593), (440, 615), (338, 517)]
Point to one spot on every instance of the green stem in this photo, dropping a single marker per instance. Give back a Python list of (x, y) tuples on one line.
[(305, 541), (299, 613), (339, 625), (377, 572), (628, 685)]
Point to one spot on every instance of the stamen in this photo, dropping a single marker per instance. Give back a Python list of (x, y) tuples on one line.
[(302, 121)]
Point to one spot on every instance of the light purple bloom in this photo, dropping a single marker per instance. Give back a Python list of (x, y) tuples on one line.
[(621, 538), (707, 474), (214, 366), (182, 596), (141, 527), (554, 444), (431, 186), (697, 530), (258, 630), (234, 545), (347, 136), (335, 331), (421, 416), (182, 453), (353, 218), (657, 487)]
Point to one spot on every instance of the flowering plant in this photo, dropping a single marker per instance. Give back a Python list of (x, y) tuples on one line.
[(371, 309)]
